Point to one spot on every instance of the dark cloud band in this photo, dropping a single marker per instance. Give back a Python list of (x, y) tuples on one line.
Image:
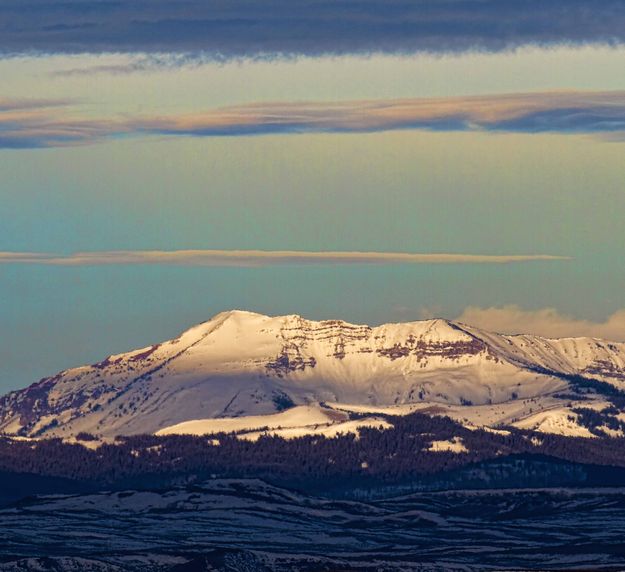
[(249, 28)]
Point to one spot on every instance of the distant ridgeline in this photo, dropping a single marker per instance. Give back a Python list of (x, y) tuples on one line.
[(418, 450)]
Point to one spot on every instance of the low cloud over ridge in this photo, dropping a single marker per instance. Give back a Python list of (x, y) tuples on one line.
[(547, 322), (274, 28), (257, 258)]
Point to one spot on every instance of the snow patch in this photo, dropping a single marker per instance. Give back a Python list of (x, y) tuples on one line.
[(296, 417), (556, 421), (454, 445)]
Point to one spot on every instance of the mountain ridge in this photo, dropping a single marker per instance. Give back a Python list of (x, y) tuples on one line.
[(242, 363)]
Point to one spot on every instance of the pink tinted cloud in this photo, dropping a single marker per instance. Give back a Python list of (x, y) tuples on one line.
[(254, 258), (601, 113)]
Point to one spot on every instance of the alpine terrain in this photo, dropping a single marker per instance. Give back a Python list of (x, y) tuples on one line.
[(253, 374)]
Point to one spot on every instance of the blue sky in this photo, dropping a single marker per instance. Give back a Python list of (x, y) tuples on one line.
[(488, 136)]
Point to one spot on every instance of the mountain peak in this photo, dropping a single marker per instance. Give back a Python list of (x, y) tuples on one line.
[(235, 314), (246, 363), (247, 316)]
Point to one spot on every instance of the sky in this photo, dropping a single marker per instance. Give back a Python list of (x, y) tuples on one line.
[(371, 161)]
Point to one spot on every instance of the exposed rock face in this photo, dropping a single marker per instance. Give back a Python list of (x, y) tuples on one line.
[(238, 362)]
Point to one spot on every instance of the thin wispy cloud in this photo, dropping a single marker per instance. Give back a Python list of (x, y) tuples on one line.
[(40, 123), (278, 28), (7, 104), (34, 257), (259, 258), (600, 113), (137, 63)]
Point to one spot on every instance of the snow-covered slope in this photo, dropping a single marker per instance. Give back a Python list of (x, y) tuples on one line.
[(242, 363), (291, 423)]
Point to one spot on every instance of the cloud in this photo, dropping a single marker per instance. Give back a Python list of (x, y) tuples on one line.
[(33, 257), (257, 258), (33, 123), (593, 112), (136, 63), (273, 28), (560, 112), (7, 105), (546, 322)]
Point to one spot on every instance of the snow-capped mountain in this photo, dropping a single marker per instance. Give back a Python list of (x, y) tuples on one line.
[(246, 364)]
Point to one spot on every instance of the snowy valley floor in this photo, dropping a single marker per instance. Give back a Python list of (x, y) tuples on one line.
[(248, 525)]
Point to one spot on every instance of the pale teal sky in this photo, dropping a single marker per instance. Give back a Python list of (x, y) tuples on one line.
[(305, 78), (408, 190)]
